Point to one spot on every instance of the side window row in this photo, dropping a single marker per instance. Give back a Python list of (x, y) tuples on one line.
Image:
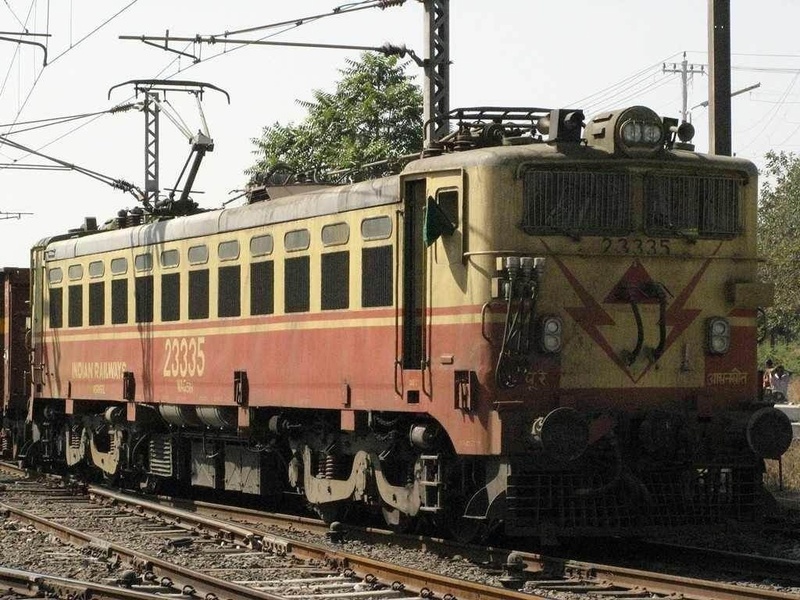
[(335, 234), (377, 289)]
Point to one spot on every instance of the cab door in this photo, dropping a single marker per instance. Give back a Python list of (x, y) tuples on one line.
[(36, 333), (413, 274), (431, 239)]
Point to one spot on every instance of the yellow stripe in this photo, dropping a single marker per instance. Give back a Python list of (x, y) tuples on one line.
[(304, 325), (159, 333)]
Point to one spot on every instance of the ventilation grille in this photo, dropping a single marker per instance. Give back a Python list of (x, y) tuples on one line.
[(161, 456)]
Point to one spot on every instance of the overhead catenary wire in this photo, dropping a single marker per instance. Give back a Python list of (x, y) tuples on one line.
[(14, 59), (200, 40), (33, 167), (36, 81), (95, 118), (641, 82), (786, 95), (159, 74), (287, 25), (611, 89), (94, 31), (638, 93), (52, 121), (13, 14), (771, 113), (339, 10), (634, 89), (72, 47), (119, 184)]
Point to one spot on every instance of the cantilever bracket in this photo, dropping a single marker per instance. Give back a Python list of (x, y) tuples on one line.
[(42, 46), (168, 85)]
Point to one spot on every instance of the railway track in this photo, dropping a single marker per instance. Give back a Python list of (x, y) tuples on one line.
[(534, 566), (226, 552), (17, 584)]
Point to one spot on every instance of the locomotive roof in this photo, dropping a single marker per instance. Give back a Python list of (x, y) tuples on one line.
[(332, 200), (499, 155), (339, 199)]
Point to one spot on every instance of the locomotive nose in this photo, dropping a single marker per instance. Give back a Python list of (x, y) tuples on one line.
[(769, 432)]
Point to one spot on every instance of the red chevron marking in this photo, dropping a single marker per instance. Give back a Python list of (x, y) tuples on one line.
[(591, 315)]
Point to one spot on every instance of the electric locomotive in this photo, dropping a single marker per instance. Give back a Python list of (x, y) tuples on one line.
[(540, 325)]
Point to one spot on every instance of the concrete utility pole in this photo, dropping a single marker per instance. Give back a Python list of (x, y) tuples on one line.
[(436, 102), (685, 69), (719, 81)]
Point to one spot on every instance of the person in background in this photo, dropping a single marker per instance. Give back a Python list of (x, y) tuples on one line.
[(779, 381), (766, 378)]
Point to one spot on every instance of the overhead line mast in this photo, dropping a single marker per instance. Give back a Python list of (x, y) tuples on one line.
[(436, 103), (201, 142)]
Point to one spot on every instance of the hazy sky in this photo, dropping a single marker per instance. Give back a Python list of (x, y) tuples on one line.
[(594, 54)]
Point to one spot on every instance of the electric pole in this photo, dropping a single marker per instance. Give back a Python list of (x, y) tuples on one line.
[(436, 102), (151, 107), (685, 69), (719, 81), (436, 64)]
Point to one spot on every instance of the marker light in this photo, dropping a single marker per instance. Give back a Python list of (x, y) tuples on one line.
[(551, 329), (718, 335)]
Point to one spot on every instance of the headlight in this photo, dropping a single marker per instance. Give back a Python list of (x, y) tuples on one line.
[(652, 133), (632, 132), (719, 335), (552, 329), (640, 131)]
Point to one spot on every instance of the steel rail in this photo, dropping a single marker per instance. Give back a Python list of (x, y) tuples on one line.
[(27, 583), (413, 579), (477, 553), (660, 583), (691, 588), (12, 468), (768, 566), (162, 568), (532, 564)]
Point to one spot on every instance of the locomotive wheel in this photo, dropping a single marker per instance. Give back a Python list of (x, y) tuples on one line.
[(109, 479), (329, 512), (450, 519), (150, 484), (397, 520), (462, 529)]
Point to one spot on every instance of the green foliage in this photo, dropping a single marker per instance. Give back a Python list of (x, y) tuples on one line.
[(784, 354), (779, 242), (374, 114)]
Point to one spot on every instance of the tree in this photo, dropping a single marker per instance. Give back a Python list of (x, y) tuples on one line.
[(374, 114), (779, 241)]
